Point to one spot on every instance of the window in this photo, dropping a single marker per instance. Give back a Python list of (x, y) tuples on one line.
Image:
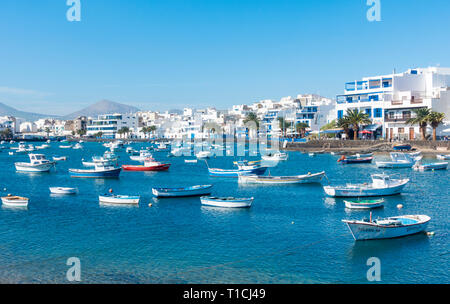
[(401, 130), (340, 114), (391, 115), (369, 112), (377, 113)]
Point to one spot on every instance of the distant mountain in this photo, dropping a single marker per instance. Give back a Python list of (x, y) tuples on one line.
[(103, 107), (10, 111)]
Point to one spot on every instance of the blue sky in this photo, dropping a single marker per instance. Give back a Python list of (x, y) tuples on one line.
[(164, 54)]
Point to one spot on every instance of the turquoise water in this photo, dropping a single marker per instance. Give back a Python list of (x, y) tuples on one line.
[(292, 233)]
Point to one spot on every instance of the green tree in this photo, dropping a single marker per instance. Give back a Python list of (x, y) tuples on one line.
[(331, 125), (81, 132), (47, 131), (99, 134), (124, 130), (356, 118), (252, 117), (435, 119), (6, 133), (344, 124), (421, 119), (300, 128), (283, 125)]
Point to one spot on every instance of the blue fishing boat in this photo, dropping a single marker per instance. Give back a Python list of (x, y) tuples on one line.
[(244, 168), (101, 170), (198, 190)]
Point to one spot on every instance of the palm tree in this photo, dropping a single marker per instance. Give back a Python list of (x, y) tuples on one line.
[(152, 129), (283, 124), (124, 130), (6, 133), (99, 134), (356, 118), (300, 127), (252, 117), (435, 119), (421, 118), (344, 124), (47, 130)]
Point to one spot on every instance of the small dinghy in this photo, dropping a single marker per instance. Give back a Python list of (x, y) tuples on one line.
[(191, 161), (66, 147), (199, 190), (119, 199), (400, 160), (15, 201), (431, 166), (59, 158), (443, 157), (363, 160), (244, 168), (366, 204), (279, 180), (226, 202), (77, 147), (382, 185), (279, 156), (63, 190), (391, 227), (204, 154)]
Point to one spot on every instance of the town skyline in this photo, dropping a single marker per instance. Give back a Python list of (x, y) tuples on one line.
[(154, 56)]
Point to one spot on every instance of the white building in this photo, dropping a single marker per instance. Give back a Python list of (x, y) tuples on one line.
[(390, 99), (8, 122), (110, 124)]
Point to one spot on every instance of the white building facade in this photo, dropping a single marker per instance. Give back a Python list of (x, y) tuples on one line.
[(390, 100)]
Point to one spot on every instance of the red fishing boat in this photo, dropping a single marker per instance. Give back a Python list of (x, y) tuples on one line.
[(149, 165)]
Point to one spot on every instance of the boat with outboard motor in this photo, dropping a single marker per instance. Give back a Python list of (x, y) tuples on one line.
[(382, 185)]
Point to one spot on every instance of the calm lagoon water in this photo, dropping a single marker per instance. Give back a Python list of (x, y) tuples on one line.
[(292, 234)]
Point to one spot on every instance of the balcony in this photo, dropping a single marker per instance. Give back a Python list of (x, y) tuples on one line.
[(397, 119)]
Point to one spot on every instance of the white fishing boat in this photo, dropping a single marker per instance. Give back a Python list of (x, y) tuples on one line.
[(204, 154), (63, 190), (278, 180), (399, 160), (119, 199), (77, 146), (432, 166), (59, 158), (278, 156), (443, 157), (66, 147), (190, 161), (143, 155), (226, 202), (382, 185), (391, 227), (15, 201), (198, 190), (42, 147), (363, 155), (38, 163), (365, 204)]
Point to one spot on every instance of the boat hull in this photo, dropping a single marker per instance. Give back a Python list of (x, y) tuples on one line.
[(371, 231), (25, 167), (60, 190), (15, 203), (279, 180), (360, 192), (237, 172), (223, 203), (118, 200), (394, 165), (173, 192), (363, 206), (162, 167), (76, 173)]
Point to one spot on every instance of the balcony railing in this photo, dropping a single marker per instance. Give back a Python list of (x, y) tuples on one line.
[(397, 119)]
